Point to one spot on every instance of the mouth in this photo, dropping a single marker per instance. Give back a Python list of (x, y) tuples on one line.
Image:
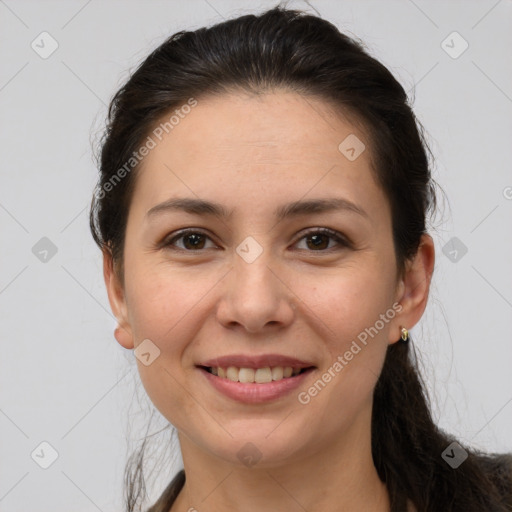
[(262, 375), (256, 386), (255, 379)]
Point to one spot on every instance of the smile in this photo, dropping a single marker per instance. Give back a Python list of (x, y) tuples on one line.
[(255, 386), (258, 375)]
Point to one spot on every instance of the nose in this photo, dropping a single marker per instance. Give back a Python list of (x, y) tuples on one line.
[(256, 295)]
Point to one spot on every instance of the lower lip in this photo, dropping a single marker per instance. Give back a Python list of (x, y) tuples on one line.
[(253, 393)]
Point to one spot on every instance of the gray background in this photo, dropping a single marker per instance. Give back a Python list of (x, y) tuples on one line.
[(64, 379)]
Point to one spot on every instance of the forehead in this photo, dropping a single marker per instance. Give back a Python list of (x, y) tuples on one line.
[(269, 125), (264, 147)]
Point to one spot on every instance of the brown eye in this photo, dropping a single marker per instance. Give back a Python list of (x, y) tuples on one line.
[(192, 240), (317, 240)]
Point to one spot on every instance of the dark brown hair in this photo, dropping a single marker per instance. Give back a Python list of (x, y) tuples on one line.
[(292, 50)]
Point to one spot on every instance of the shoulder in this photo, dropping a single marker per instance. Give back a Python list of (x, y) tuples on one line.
[(168, 497)]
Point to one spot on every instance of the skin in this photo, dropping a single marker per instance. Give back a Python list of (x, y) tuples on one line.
[(253, 154)]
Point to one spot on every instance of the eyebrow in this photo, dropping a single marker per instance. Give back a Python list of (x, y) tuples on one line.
[(296, 208)]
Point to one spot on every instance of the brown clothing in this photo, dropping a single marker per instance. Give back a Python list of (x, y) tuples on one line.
[(168, 497)]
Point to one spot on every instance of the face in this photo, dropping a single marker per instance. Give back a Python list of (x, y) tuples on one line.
[(251, 283)]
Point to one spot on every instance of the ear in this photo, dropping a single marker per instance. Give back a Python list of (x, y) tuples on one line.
[(115, 291), (413, 288)]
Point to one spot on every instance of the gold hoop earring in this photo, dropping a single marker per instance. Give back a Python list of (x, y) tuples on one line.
[(405, 334)]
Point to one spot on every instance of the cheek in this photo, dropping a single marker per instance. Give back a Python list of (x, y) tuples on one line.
[(346, 301), (353, 308), (160, 300), (347, 309), (163, 305)]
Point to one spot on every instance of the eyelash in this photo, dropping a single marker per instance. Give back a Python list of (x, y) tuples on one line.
[(338, 237)]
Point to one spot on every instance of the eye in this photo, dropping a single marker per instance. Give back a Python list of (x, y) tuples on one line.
[(191, 238), (194, 240), (317, 236)]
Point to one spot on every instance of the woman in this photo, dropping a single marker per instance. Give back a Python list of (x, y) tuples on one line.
[(262, 215)]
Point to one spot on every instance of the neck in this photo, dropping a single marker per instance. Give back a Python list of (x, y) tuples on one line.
[(334, 476)]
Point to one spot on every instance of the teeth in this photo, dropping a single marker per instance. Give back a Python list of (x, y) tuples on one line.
[(232, 373), (277, 373), (260, 376), (244, 374)]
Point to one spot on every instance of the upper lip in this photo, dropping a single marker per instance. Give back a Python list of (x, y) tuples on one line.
[(261, 361)]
